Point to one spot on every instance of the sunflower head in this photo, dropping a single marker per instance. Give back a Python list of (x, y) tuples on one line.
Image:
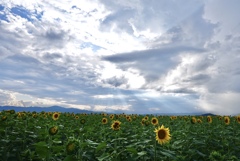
[(76, 117), (104, 121), (199, 120), (23, 116), (116, 125), (193, 120), (34, 115), (146, 117), (111, 116), (82, 121), (104, 114), (147, 123), (55, 116), (209, 119), (173, 117), (4, 118), (154, 121), (53, 130), (238, 119), (143, 122), (227, 120), (162, 134), (129, 119), (71, 148), (12, 111)]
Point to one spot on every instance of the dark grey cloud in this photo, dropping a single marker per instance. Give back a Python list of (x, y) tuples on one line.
[(152, 63), (117, 81), (52, 56), (198, 79)]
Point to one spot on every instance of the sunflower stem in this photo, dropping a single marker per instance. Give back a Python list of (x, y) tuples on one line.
[(155, 150)]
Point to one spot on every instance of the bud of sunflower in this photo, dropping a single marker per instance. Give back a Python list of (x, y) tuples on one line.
[(53, 130), (147, 123), (71, 148), (82, 121), (12, 111)]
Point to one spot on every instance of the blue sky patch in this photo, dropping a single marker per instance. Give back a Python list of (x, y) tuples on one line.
[(21, 12), (91, 45), (3, 17), (1, 7), (2, 14), (38, 15)]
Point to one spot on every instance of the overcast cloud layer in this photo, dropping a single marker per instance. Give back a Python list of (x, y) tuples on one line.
[(130, 56)]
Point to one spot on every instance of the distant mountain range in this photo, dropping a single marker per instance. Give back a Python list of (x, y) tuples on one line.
[(46, 109), (75, 110)]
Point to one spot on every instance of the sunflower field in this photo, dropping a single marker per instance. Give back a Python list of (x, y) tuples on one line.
[(54, 136)]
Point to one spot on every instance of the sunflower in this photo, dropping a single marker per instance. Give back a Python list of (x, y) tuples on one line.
[(129, 119), (154, 121), (53, 130), (134, 117), (173, 117), (55, 116), (76, 117), (111, 116), (227, 120), (82, 121), (193, 120), (162, 134), (34, 115), (199, 120), (147, 123), (104, 120), (71, 148), (146, 117), (23, 116), (12, 111), (4, 118), (104, 114), (143, 122), (209, 119), (238, 119), (116, 125)]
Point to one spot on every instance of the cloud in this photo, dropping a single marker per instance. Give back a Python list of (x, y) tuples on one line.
[(116, 82), (152, 63), (136, 55)]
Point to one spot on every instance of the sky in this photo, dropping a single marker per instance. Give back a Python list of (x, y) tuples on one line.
[(135, 56)]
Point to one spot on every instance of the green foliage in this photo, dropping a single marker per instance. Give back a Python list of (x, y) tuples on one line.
[(36, 136)]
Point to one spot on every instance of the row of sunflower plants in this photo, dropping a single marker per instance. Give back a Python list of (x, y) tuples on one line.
[(55, 136)]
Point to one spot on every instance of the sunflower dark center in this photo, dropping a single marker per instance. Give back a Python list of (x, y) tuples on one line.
[(162, 134), (238, 119), (116, 126), (154, 121), (56, 116)]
